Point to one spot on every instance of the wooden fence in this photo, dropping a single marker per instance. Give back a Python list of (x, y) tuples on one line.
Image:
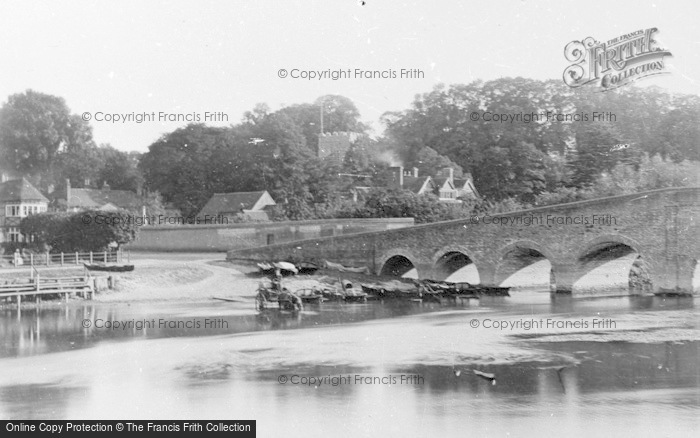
[(61, 259)]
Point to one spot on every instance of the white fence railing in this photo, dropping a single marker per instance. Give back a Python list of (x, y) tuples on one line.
[(60, 259)]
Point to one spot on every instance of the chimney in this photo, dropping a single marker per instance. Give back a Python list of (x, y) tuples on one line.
[(397, 173), (449, 173), (415, 172), (67, 191)]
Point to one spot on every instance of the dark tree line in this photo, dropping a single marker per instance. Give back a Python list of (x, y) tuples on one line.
[(42, 140), (523, 160), (514, 164)]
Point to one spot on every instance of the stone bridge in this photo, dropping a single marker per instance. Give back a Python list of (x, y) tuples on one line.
[(660, 227)]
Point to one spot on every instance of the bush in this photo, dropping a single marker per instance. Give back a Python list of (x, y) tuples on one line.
[(387, 203), (90, 230)]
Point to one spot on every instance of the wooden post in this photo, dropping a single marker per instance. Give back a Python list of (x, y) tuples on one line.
[(61, 258), (90, 257), (105, 256), (77, 258), (38, 280), (31, 260), (19, 304), (48, 258)]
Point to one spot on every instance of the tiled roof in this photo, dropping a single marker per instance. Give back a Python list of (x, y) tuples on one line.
[(439, 182), (414, 184), (94, 198), (461, 185), (20, 190), (230, 202)]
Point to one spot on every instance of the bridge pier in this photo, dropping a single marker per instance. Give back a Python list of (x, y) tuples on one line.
[(677, 276), (487, 274), (565, 275), (425, 270)]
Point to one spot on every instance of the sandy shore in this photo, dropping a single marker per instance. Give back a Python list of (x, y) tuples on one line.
[(170, 277)]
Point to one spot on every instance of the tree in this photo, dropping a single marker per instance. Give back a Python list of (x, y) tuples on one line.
[(429, 162), (48, 230), (594, 153), (34, 129), (71, 232), (339, 115), (179, 166), (119, 169), (385, 203)]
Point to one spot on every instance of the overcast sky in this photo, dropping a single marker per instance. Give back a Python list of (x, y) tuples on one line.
[(196, 56)]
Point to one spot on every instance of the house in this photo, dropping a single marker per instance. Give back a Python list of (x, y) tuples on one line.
[(253, 205), (409, 180), (445, 186), (18, 199), (104, 199), (465, 187), (456, 188)]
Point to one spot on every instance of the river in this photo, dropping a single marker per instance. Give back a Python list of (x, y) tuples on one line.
[(526, 365)]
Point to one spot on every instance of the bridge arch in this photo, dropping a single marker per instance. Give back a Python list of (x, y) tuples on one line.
[(398, 263), (613, 261), (455, 263), (525, 263)]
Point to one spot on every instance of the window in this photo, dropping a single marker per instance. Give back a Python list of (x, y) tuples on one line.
[(14, 235), (12, 210), (23, 210)]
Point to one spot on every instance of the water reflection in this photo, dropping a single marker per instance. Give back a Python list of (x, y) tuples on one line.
[(53, 367)]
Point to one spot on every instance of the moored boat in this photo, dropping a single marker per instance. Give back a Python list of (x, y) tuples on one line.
[(307, 267), (108, 267)]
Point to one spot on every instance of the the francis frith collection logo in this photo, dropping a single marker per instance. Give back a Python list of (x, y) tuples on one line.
[(616, 62)]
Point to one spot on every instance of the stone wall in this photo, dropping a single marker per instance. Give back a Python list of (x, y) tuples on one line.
[(252, 235)]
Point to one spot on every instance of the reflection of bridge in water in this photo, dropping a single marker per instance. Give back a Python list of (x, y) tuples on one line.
[(656, 233)]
